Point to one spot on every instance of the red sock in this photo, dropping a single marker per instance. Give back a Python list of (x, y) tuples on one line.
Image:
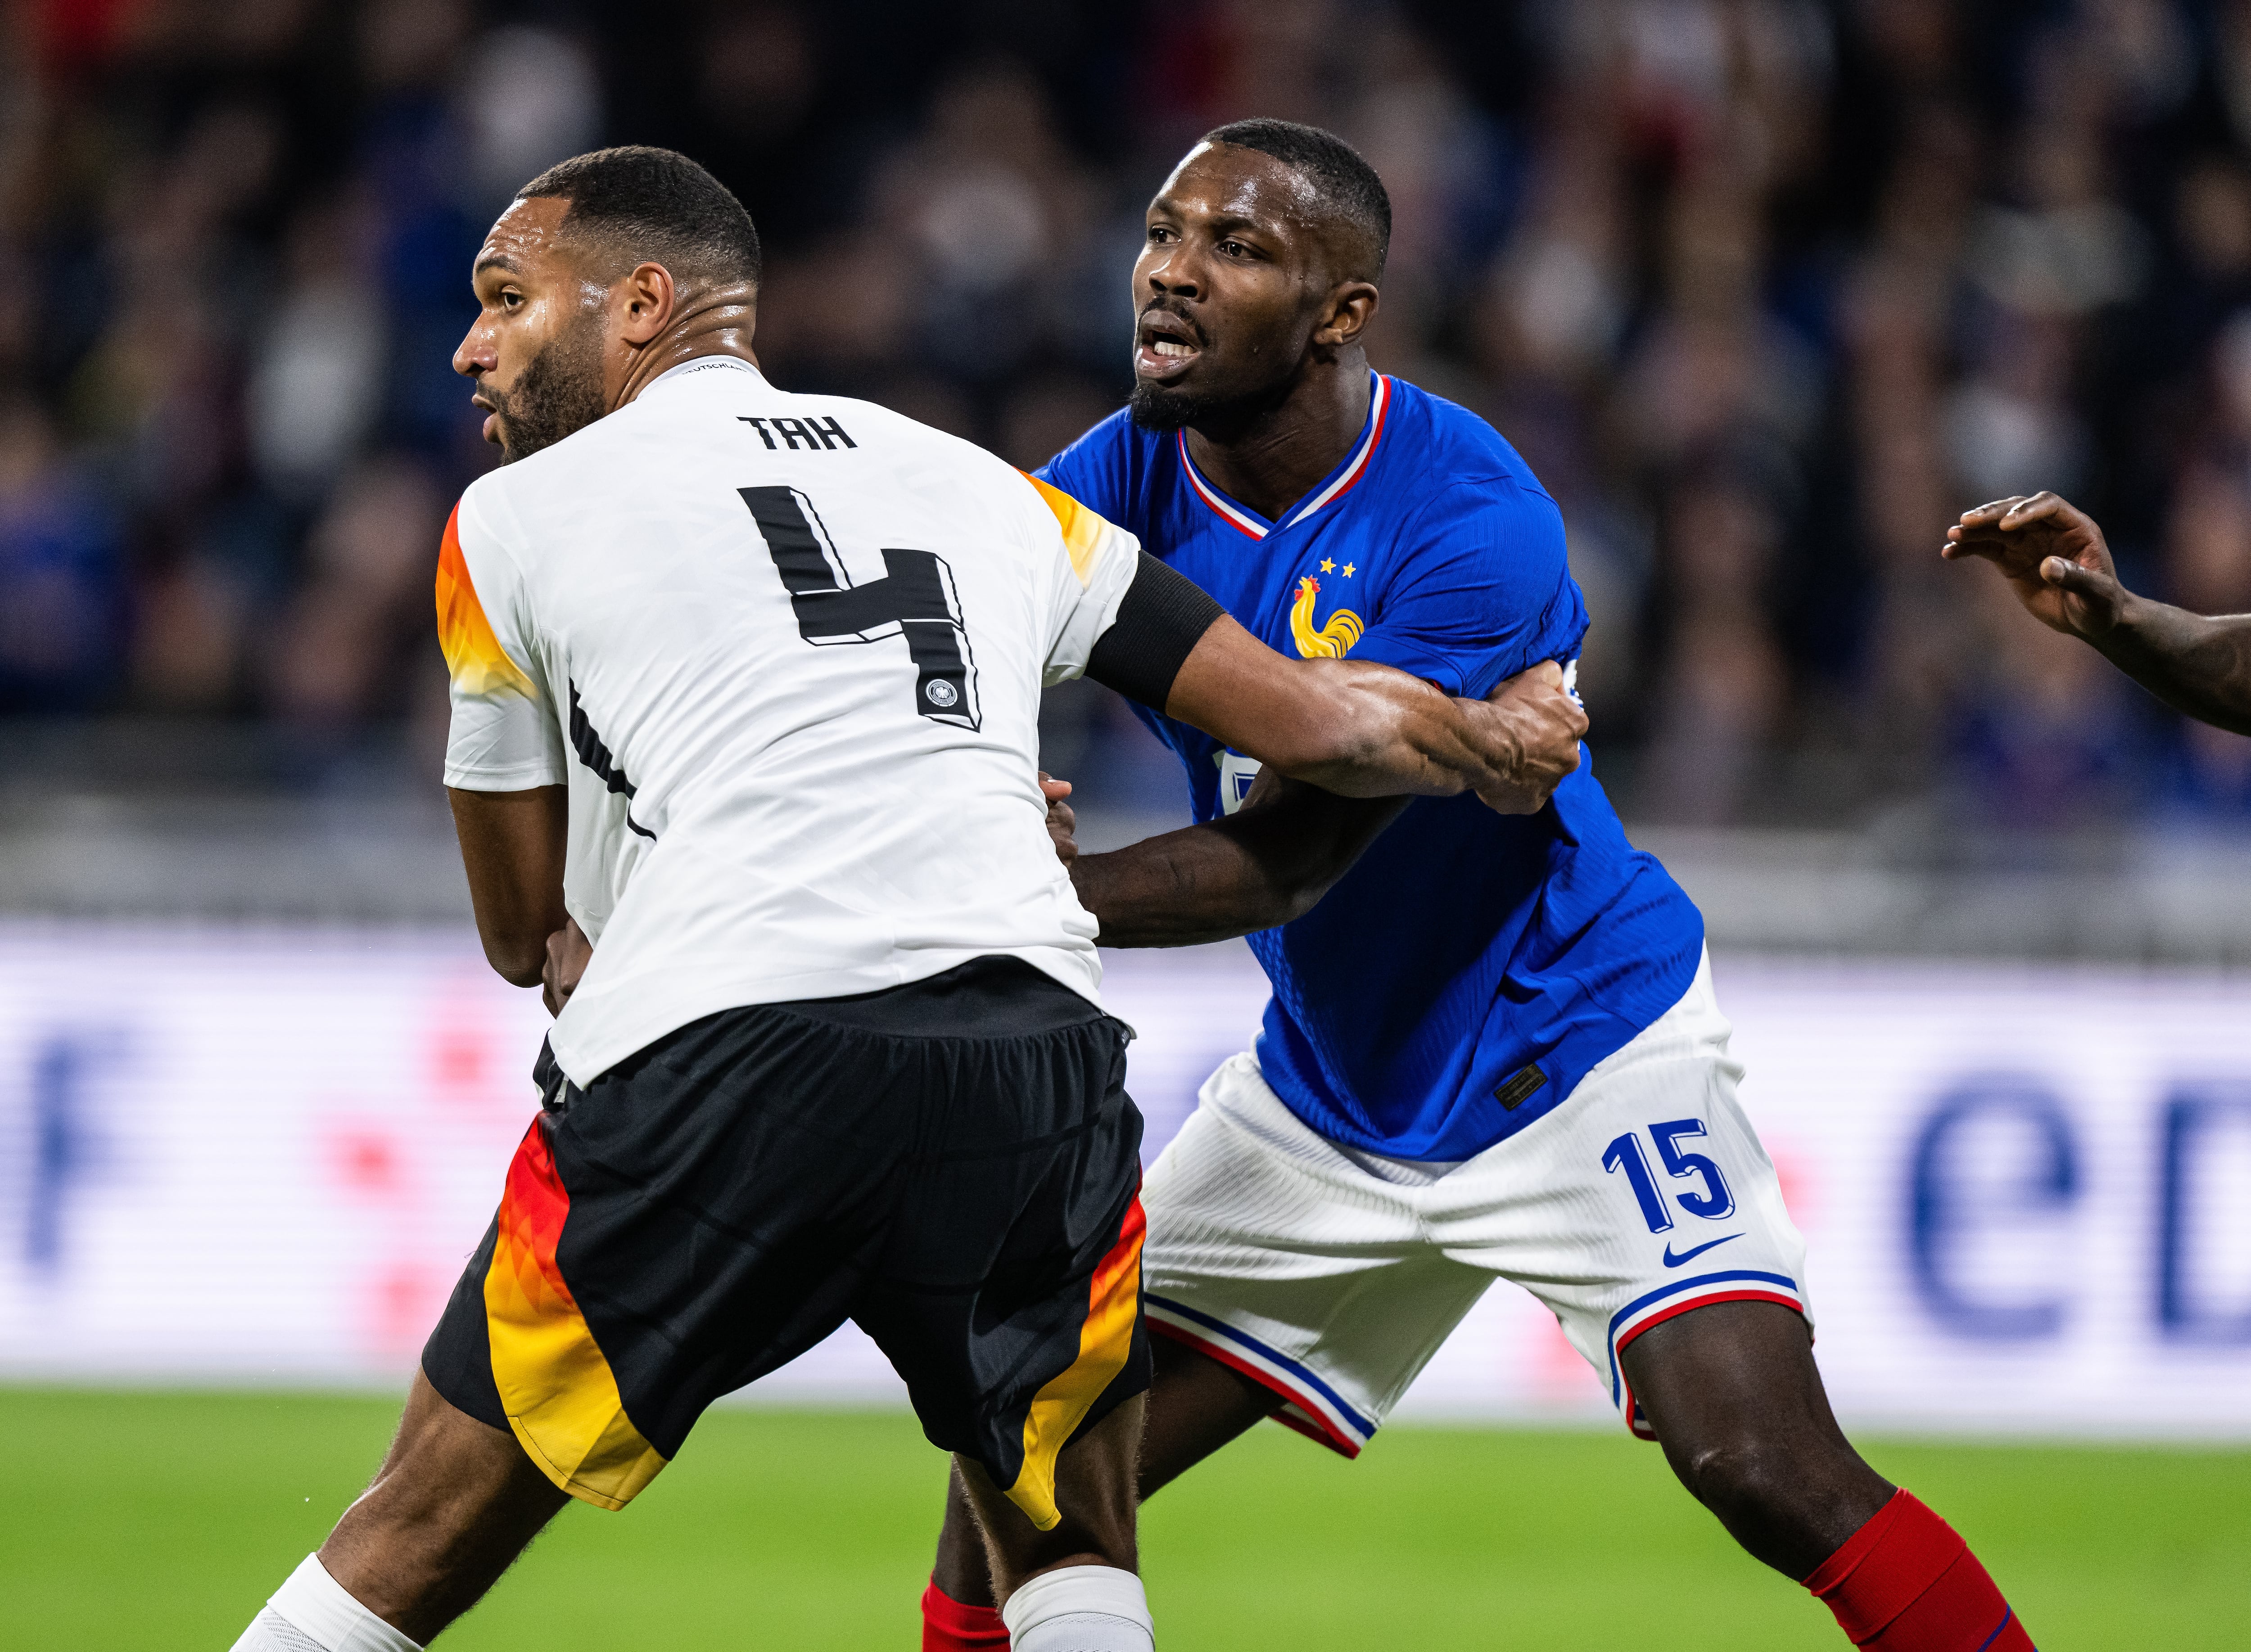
[(948, 1626), (1906, 1582)]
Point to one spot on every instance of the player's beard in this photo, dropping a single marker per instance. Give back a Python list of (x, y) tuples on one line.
[(1171, 407), (559, 394), (1166, 407)]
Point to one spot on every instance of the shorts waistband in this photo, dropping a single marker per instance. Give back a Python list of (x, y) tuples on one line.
[(984, 998)]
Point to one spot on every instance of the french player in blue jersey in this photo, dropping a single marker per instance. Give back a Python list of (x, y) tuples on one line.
[(1493, 1049)]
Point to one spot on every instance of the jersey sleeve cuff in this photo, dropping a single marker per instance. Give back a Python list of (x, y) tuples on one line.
[(515, 776)]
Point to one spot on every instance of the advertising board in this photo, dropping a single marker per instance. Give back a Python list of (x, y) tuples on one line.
[(261, 1157)]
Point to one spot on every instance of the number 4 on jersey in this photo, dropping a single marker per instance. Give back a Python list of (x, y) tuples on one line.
[(915, 599)]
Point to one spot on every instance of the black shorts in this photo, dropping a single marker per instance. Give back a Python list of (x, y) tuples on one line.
[(954, 1165)]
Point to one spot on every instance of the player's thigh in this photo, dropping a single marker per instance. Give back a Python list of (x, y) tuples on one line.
[(697, 1217), (1273, 1253), (1007, 1292), (1644, 1195)]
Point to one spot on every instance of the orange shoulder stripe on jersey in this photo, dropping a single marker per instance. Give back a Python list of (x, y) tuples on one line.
[(1081, 529), (555, 1384), (479, 664), (1105, 1341)]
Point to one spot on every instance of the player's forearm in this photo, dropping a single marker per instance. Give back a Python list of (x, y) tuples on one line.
[(1385, 733), (1354, 729), (1182, 889), (2199, 666), (1360, 730), (512, 849), (1210, 882)]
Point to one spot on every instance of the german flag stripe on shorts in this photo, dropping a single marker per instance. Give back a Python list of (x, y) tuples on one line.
[(1104, 1344), (557, 1388)]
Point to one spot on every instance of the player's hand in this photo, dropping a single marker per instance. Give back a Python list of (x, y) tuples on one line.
[(1540, 719), (568, 954), (1061, 821), (2053, 557)]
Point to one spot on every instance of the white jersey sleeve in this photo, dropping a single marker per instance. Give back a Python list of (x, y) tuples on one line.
[(1099, 559), (507, 730)]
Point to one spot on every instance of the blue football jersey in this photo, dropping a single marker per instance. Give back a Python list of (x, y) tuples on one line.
[(1457, 983)]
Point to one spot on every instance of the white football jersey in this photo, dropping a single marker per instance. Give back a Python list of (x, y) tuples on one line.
[(786, 650)]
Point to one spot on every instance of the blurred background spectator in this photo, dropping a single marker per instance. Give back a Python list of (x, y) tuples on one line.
[(1766, 290)]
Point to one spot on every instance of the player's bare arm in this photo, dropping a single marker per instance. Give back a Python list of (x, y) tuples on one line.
[(1273, 858), (512, 848), (1351, 726), (1364, 731), (1267, 863), (2055, 559)]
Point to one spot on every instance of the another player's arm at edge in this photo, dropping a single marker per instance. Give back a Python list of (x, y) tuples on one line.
[(513, 845), (2057, 563)]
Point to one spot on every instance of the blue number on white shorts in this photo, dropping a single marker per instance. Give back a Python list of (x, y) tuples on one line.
[(1715, 1201), (1625, 1154)]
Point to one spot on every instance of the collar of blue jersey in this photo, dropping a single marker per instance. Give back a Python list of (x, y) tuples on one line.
[(1334, 487)]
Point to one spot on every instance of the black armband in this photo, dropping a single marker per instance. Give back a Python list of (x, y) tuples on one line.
[(1161, 619)]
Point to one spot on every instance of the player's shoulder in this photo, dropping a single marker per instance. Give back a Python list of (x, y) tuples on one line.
[(486, 517), (1460, 450), (1105, 467), (1464, 473)]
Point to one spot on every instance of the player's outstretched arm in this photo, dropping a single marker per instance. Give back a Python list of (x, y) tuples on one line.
[(1365, 731), (512, 847), (2055, 560)]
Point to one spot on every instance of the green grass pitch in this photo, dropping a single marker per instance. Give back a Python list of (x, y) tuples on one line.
[(160, 1521)]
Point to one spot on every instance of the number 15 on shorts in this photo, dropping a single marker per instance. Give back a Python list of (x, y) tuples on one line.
[(1711, 1200)]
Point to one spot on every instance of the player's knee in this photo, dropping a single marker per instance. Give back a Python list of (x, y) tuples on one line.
[(1746, 1478)]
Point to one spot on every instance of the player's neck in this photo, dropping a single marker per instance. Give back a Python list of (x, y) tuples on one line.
[(1271, 456), (716, 323)]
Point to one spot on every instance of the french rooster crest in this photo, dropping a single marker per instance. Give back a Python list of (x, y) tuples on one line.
[(1334, 639)]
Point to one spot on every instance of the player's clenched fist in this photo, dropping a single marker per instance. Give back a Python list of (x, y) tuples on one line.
[(569, 951), (1536, 714), (2053, 557)]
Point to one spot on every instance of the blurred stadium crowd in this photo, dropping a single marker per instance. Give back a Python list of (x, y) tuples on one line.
[(1766, 290)]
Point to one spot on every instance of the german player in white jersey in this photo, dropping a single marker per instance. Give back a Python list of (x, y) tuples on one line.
[(747, 682)]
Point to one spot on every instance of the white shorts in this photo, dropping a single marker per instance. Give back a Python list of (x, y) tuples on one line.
[(1332, 1275)]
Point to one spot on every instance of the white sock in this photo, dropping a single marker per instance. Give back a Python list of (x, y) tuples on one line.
[(313, 1612), (1080, 1609)]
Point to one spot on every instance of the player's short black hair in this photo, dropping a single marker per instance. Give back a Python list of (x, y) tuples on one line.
[(656, 204), (1347, 184)]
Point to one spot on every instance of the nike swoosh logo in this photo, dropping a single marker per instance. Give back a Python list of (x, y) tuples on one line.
[(1671, 1261)]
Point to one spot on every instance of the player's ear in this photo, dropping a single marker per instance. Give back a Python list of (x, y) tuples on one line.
[(1351, 307), (643, 302)]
